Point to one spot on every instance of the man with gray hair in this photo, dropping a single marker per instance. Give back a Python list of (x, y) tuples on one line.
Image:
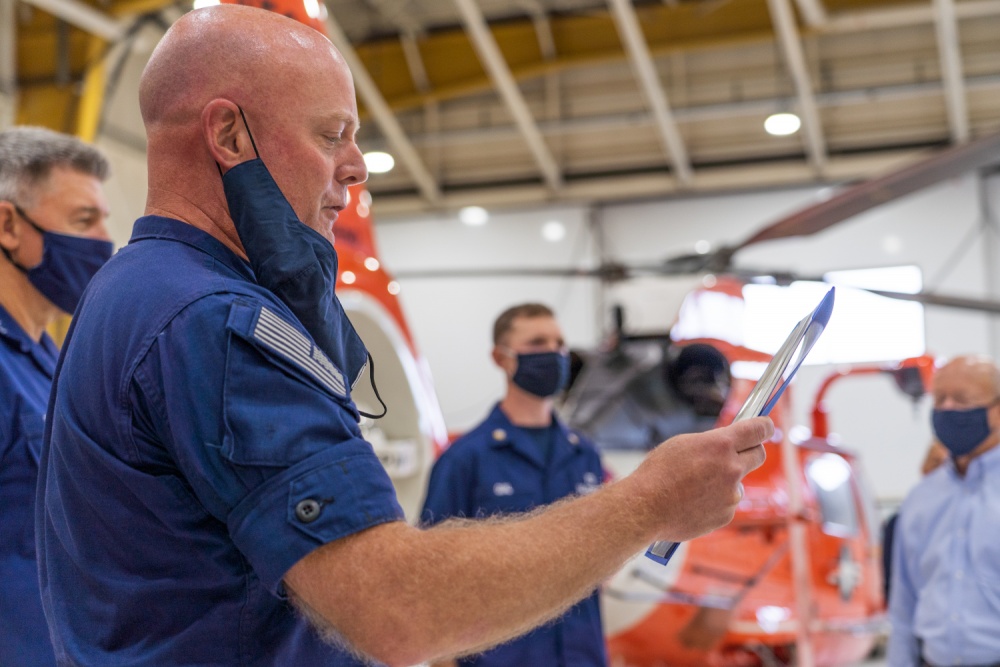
[(52, 240)]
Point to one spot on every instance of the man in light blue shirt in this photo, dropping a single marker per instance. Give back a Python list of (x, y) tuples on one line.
[(945, 603)]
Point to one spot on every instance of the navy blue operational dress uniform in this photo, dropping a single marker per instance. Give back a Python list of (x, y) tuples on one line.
[(500, 468), (201, 444), (26, 369)]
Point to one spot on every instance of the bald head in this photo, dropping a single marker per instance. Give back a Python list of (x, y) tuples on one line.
[(966, 382), (228, 51), (230, 83)]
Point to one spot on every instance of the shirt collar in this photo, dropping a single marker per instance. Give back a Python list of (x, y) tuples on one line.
[(159, 227), (564, 445), (44, 352)]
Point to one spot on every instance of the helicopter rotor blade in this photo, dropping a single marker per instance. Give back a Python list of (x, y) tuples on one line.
[(949, 301), (857, 199)]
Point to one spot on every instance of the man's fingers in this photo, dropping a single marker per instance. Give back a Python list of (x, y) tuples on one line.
[(751, 432), (752, 458)]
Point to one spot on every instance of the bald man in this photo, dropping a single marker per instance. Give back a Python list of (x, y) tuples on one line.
[(945, 593), (205, 476)]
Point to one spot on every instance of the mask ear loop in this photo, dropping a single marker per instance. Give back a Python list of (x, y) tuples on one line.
[(371, 378), (249, 134), (34, 225)]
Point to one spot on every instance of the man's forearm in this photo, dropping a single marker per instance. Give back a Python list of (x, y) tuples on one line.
[(465, 586)]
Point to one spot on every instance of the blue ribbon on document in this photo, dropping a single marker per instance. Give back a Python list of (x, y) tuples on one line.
[(765, 394)]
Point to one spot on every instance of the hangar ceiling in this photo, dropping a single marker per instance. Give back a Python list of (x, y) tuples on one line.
[(514, 102)]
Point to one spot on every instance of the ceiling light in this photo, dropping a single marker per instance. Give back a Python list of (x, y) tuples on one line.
[(371, 264), (702, 247), (348, 277), (474, 216), (553, 231), (201, 4), (782, 124), (393, 288), (379, 162)]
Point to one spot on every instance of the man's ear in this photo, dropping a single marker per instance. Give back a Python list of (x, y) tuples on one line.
[(9, 238), (501, 359), (225, 134)]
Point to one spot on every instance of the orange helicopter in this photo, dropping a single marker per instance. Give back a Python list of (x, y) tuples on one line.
[(796, 577)]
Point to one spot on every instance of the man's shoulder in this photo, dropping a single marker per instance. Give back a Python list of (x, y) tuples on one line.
[(475, 441)]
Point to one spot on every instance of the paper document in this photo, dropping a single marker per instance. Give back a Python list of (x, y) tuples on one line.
[(771, 385)]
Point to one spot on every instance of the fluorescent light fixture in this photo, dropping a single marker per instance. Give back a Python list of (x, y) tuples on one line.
[(474, 216), (379, 162), (782, 124)]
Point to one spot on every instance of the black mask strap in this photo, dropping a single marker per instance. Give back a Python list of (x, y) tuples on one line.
[(37, 228), (371, 377), (249, 134)]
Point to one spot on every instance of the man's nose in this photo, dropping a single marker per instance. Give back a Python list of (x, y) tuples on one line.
[(352, 169)]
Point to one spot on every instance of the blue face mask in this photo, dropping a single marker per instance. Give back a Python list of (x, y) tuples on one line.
[(295, 263), (542, 374), (68, 263), (961, 431)]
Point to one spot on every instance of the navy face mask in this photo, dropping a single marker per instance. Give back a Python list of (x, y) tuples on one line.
[(542, 374), (68, 263), (295, 263), (961, 431)]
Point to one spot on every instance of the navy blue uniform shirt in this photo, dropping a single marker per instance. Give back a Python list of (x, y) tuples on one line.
[(498, 468), (26, 369), (199, 446)]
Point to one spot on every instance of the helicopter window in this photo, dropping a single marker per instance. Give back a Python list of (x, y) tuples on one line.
[(829, 477), (865, 327)]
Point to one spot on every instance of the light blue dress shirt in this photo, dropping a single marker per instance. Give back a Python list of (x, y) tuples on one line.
[(946, 568)]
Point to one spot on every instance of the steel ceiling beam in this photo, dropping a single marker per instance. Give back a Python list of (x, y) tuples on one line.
[(813, 12), (788, 37), (949, 51), (543, 28), (414, 62), (84, 17), (499, 72), (645, 70), (383, 115), (881, 19)]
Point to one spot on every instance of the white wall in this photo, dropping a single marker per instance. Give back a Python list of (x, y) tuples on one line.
[(451, 317)]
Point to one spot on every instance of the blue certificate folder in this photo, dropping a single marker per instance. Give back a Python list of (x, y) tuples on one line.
[(771, 385)]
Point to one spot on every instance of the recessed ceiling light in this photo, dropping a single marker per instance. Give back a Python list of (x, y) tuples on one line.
[(379, 162), (782, 124), (553, 231), (474, 216)]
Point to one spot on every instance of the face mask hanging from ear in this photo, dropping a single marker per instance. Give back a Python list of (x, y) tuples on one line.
[(295, 263)]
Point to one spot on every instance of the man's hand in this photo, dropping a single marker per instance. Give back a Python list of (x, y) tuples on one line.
[(693, 481)]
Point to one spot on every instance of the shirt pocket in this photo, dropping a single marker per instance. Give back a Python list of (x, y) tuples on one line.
[(281, 402)]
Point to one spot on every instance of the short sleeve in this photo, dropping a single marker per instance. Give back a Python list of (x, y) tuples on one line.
[(253, 417)]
